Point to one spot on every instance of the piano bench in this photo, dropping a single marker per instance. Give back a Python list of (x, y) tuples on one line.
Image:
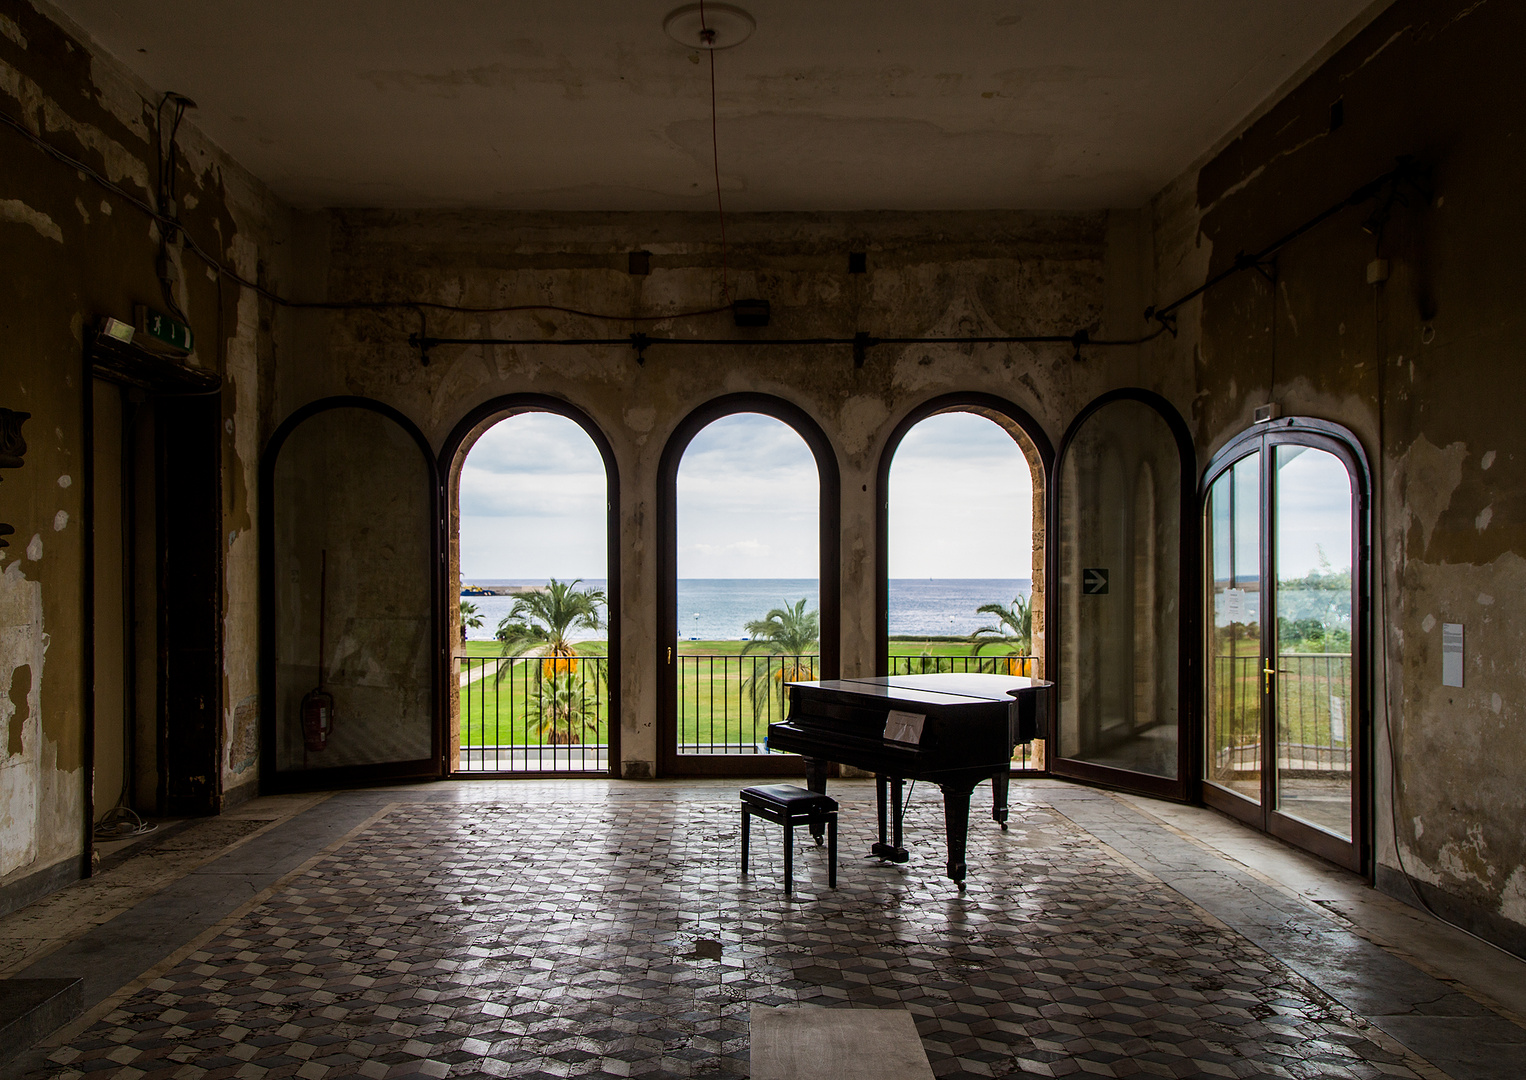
[(788, 805)]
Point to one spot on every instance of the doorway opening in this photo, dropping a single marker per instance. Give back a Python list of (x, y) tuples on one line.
[(530, 599), (1285, 713), (749, 490), (964, 538), (1125, 581)]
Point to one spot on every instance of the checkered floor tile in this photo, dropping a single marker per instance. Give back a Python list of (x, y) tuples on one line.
[(615, 937)]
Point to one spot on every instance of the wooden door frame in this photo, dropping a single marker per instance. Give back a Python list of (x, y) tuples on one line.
[(162, 379), (829, 553), (478, 421), (271, 779), (1184, 788), (1357, 854)]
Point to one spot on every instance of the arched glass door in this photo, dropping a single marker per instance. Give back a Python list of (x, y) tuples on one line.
[(1285, 732), (745, 520), (351, 550), (533, 519), (961, 558), (1125, 609)]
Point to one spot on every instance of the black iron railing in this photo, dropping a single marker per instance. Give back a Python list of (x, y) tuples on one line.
[(1315, 725), (534, 714), (726, 701)]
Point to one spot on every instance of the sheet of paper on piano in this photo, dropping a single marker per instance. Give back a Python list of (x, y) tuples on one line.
[(905, 727)]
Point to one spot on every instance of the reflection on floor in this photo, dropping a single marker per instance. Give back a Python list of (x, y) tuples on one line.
[(602, 929)]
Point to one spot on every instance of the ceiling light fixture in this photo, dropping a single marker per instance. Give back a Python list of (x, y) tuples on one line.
[(709, 26)]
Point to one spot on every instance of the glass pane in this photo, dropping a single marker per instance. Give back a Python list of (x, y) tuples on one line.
[(1120, 557), (1314, 702), (352, 484), (1233, 590)]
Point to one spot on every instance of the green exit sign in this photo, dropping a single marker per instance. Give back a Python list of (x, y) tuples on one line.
[(165, 330)]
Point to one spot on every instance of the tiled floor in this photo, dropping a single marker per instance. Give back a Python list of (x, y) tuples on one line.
[(603, 930)]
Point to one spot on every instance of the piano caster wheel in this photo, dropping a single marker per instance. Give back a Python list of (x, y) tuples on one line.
[(820, 840), (1003, 826), (961, 886)]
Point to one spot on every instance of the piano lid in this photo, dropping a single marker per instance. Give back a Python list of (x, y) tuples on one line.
[(939, 689)]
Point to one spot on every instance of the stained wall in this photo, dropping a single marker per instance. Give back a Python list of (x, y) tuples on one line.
[(1426, 368), (73, 253), (951, 274), (1423, 367)]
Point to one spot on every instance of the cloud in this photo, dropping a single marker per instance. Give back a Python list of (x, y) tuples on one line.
[(961, 502), (748, 502), (533, 497), (535, 443)]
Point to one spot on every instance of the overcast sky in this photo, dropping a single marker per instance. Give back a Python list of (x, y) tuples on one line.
[(1314, 512), (532, 502)]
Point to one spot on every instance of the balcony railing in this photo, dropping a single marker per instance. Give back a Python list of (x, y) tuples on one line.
[(534, 714), (545, 715), (1315, 728), (726, 702)]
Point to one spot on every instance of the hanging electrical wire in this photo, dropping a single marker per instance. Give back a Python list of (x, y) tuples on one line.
[(707, 35), (1407, 174), (169, 207), (217, 266)]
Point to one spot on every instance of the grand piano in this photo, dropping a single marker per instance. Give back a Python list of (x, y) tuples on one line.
[(951, 730)]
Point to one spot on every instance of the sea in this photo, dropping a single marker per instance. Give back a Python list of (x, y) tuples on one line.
[(717, 609)]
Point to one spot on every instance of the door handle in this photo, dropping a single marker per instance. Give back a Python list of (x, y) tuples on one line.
[(670, 654), (1266, 679)]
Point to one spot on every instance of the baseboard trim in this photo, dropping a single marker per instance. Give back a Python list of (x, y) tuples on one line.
[(243, 793), (1489, 925), (34, 886)]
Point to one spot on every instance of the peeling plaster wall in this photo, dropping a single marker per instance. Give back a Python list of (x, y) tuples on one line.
[(77, 253), (1427, 370), (949, 273)]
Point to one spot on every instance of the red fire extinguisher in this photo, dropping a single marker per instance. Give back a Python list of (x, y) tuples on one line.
[(318, 703)]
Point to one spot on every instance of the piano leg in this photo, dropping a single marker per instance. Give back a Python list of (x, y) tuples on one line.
[(956, 821), (816, 780), (892, 851), (999, 785)]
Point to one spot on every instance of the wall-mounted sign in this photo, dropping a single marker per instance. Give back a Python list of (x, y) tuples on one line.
[(1451, 654), (1094, 581), (164, 331)]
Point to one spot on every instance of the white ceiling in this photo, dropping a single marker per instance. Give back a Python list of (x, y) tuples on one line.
[(588, 105)]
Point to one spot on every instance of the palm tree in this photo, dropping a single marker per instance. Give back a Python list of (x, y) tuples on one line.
[(790, 632), (539, 623), (1013, 630), (471, 618), (562, 710)]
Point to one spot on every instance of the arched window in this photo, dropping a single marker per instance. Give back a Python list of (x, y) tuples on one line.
[(532, 519), (748, 494), (962, 485), (1123, 528), (350, 548)]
